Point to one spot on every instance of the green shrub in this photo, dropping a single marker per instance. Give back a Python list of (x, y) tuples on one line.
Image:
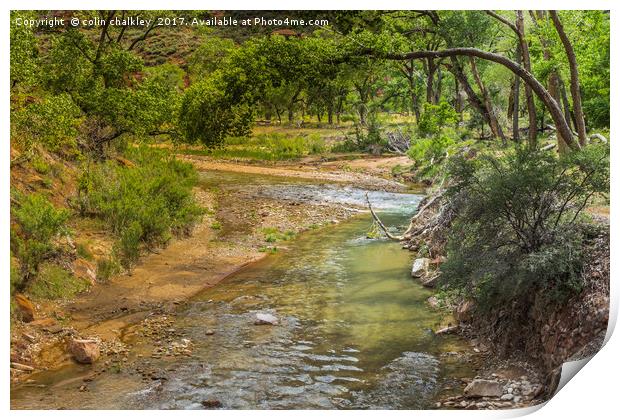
[(272, 235), (146, 203), (106, 268), (38, 224), (128, 246), (430, 149), (40, 165), (519, 227), (316, 144), (435, 117)]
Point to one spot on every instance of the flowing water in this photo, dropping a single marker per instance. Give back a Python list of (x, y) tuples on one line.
[(354, 329)]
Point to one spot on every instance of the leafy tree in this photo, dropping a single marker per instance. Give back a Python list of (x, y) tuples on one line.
[(519, 225)]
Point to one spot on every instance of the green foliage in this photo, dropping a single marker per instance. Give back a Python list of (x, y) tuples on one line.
[(83, 251), (51, 122), (212, 55), (106, 268), (430, 149), (435, 117), (519, 222), (128, 246), (38, 225), (145, 203), (272, 235), (54, 282), (208, 114), (269, 147), (24, 53)]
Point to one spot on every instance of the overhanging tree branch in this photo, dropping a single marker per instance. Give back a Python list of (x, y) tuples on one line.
[(526, 76)]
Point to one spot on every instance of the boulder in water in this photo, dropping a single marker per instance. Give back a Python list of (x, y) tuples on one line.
[(265, 319)]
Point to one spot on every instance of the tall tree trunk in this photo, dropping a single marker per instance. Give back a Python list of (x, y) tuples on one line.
[(574, 78), (472, 97), (527, 64), (495, 126), (518, 29), (565, 103), (408, 70), (515, 100), (430, 69), (437, 94), (291, 105), (553, 82), (458, 101)]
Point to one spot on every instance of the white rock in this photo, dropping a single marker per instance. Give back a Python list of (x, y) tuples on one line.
[(507, 397), (266, 319), (420, 267), (483, 388)]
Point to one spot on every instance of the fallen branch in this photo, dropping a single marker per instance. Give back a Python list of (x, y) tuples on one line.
[(599, 137), (411, 223), (380, 223)]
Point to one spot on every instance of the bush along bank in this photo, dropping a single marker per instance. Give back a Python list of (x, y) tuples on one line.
[(510, 244), (94, 220)]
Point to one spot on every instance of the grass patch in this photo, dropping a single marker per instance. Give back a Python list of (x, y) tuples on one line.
[(106, 269), (54, 282), (83, 251), (272, 235), (268, 249), (265, 147)]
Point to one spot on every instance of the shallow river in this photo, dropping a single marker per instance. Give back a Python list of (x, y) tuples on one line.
[(354, 330)]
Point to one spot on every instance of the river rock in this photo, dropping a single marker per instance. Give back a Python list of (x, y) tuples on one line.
[(507, 397), (433, 302), (84, 351), (484, 388), (85, 270), (464, 312), (420, 267), (265, 319), (430, 282), (26, 308)]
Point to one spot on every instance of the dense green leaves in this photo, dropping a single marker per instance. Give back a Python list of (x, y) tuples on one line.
[(38, 224), (519, 225), (142, 204)]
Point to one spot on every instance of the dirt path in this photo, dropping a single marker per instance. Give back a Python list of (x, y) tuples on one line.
[(370, 173), (188, 265)]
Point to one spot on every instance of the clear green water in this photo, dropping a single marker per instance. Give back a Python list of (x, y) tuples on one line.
[(354, 332)]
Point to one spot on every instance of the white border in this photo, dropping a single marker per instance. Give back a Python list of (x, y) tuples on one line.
[(593, 394)]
